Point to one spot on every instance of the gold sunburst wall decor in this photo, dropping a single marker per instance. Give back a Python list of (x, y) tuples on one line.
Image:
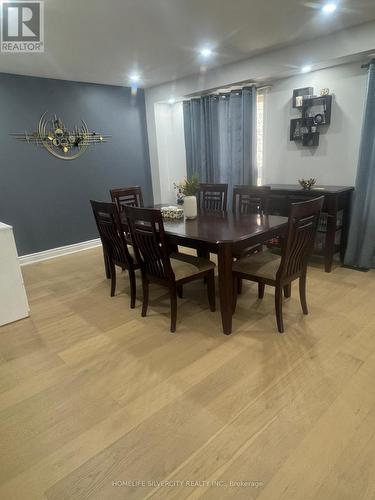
[(59, 141)]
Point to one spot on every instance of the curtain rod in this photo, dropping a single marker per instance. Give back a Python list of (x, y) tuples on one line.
[(265, 87), (371, 61), (228, 89)]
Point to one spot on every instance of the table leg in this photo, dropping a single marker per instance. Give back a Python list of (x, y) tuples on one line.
[(203, 252), (173, 248), (225, 261)]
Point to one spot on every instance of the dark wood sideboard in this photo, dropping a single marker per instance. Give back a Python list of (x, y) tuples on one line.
[(334, 222)]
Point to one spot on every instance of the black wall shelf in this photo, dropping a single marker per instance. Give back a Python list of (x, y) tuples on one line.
[(315, 112)]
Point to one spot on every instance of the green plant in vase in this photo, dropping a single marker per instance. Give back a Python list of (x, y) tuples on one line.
[(189, 189), (307, 184)]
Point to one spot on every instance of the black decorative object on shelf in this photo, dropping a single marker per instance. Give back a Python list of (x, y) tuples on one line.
[(315, 111), (319, 119)]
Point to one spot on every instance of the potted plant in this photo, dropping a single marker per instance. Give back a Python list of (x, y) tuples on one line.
[(189, 189), (307, 184)]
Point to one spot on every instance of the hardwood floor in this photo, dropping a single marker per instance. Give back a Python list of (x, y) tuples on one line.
[(91, 393)]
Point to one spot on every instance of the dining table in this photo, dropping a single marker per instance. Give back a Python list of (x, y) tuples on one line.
[(225, 234)]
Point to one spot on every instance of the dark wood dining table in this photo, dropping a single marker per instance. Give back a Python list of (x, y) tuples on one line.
[(224, 234)]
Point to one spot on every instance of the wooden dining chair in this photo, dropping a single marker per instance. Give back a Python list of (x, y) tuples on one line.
[(127, 196), (159, 265), (251, 199), (266, 268), (124, 196), (213, 197), (115, 248)]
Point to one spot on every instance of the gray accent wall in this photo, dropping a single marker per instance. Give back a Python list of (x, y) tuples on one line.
[(45, 199)]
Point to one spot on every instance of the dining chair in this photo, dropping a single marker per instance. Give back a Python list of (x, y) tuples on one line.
[(251, 199), (159, 265), (266, 268), (127, 196), (115, 248), (213, 197)]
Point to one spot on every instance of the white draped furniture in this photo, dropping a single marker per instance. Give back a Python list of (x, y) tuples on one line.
[(13, 299)]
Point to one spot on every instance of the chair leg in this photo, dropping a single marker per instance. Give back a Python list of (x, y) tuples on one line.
[(145, 296), (239, 286), (211, 290), (279, 308), (261, 287), (132, 288), (107, 267), (288, 291), (235, 293), (173, 293), (113, 278), (302, 293), (203, 254), (180, 292)]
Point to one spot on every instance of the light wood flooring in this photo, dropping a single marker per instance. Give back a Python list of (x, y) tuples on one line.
[(92, 395)]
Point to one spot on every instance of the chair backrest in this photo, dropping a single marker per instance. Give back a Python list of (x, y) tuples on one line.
[(111, 233), (251, 199), (213, 197), (127, 196), (150, 244), (299, 243)]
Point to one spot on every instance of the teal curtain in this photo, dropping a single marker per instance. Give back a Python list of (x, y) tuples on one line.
[(361, 244), (219, 131)]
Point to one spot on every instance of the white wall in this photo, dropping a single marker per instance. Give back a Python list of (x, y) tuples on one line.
[(170, 148), (324, 52), (334, 161)]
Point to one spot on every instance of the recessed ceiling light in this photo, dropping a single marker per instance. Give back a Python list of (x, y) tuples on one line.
[(206, 52), (134, 78), (172, 100), (329, 8), (306, 69)]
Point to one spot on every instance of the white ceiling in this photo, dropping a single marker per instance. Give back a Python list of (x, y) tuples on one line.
[(103, 41)]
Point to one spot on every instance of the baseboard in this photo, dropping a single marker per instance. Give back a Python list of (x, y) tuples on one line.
[(58, 252)]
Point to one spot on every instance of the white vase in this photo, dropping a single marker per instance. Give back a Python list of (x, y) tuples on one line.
[(190, 207)]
